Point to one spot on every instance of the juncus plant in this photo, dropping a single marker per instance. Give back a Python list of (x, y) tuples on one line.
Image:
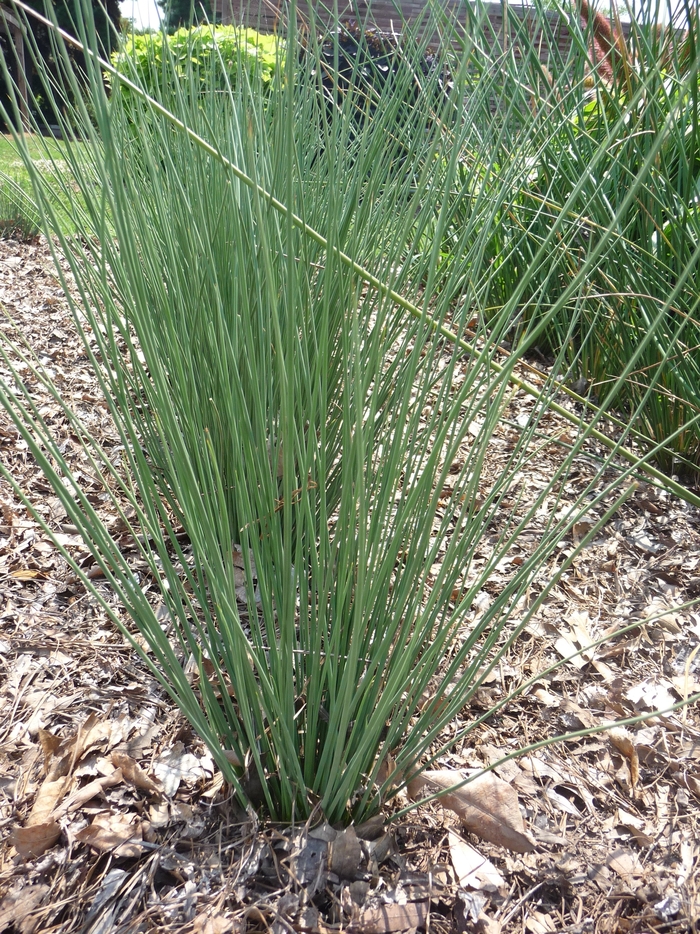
[(306, 402)]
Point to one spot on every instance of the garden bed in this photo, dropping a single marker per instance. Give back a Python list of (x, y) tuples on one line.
[(148, 836)]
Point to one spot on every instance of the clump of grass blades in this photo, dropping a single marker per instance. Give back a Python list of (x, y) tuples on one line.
[(617, 137), (304, 449), (18, 215), (651, 91)]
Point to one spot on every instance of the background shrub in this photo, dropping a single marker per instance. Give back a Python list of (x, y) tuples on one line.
[(209, 57), (105, 16), (369, 61)]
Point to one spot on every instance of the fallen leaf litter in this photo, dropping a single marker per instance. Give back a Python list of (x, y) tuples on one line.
[(114, 818)]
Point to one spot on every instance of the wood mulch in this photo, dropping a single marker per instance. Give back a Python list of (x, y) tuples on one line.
[(114, 818)]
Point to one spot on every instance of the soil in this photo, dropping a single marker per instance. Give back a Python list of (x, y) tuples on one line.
[(113, 816)]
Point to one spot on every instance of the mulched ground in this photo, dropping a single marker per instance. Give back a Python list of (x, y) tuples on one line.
[(113, 816)]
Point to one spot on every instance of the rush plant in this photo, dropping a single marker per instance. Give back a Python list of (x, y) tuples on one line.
[(304, 430), (629, 107), (18, 216)]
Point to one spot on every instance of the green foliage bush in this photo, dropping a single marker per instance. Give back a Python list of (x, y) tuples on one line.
[(370, 62), (216, 57), (651, 96)]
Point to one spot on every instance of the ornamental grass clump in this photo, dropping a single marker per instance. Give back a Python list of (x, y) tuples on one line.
[(18, 215), (613, 133), (304, 431)]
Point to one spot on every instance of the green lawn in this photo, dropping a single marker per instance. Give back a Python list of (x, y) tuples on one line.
[(48, 155), (42, 149)]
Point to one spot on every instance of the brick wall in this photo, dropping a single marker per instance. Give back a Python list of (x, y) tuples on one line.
[(498, 29), (381, 13)]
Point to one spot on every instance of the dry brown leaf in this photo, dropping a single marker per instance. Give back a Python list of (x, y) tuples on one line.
[(469, 914), (371, 829), (119, 834), (692, 784), (47, 799), (50, 745), (308, 919), (35, 839), (687, 683), (652, 694), (642, 839), (181, 811), (622, 741), (134, 774), (579, 623), (568, 650), (345, 854), (386, 918), (629, 821), (159, 814), (208, 923), (174, 766), (92, 733), (60, 756), (58, 766), (486, 925), (605, 671), (17, 907), (233, 758), (487, 806), (214, 787), (87, 793), (581, 529), (540, 769), (539, 923), (472, 869), (579, 639), (576, 717), (27, 574), (627, 865)]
